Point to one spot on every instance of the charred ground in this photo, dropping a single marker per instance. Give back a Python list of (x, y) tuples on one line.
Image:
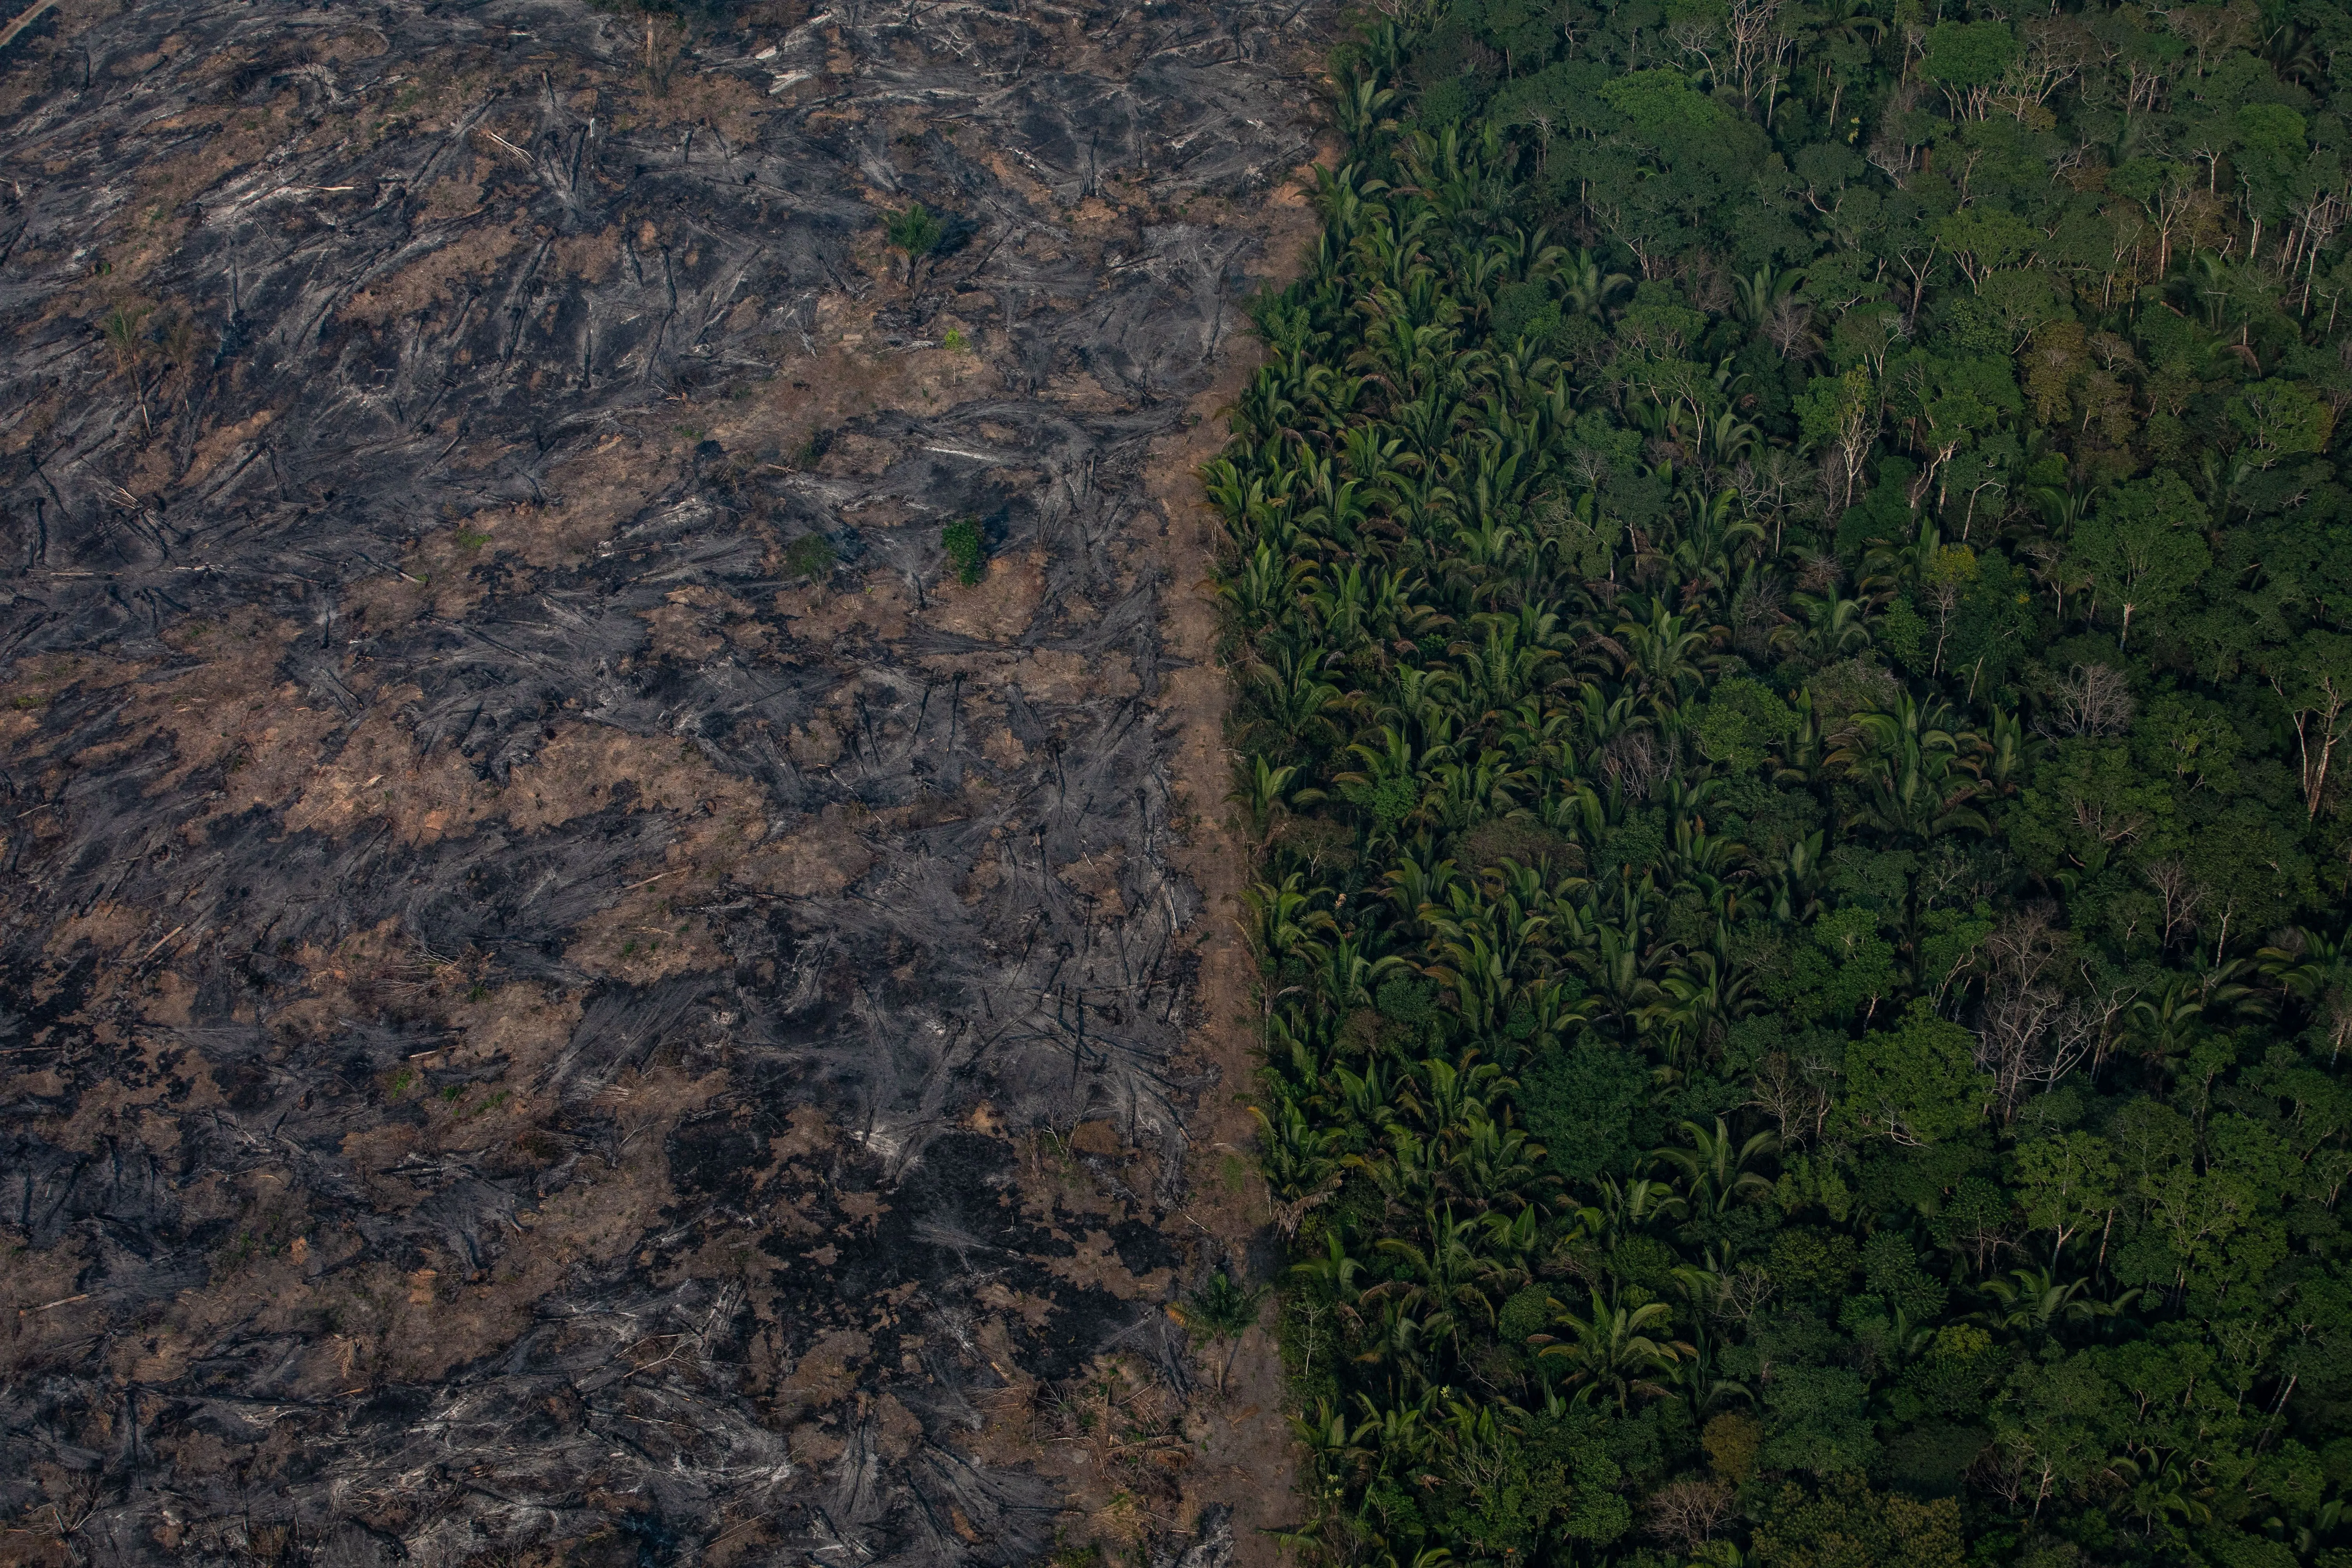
[(565, 992)]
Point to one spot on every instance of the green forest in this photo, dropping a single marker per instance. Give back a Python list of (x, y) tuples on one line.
[(1789, 592)]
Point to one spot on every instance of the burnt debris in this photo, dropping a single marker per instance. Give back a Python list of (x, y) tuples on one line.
[(565, 988)]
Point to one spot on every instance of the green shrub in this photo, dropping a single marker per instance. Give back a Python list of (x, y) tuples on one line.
[(968, 549), (914, 234), (811, 556)]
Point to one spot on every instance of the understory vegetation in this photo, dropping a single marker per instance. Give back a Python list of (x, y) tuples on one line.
[(1788, 578)]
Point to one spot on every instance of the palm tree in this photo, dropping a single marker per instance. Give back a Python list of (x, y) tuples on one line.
[(1264, 587), (2314, 970), (1715, 1171), (1267, 793), (1220, 1311), (1621, 967), (1917, 777), (1611, 1353), (1754, 296), (1333, 1272), (1336, 1459), (2035, 1299), (1834, 626), (1586, 290), (1443, 1098), (1625, 1209), (1290, 688), (1360, 106), (1442, 1279), (2163, 1482), (1283, 920), (1666, 655), (1703, 994), (1299, 1156)]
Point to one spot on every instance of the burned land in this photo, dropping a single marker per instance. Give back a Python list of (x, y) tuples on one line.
[(569, 991)]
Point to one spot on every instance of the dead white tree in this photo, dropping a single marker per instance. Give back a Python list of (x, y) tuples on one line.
[(2090, 699), (2040, 1017)]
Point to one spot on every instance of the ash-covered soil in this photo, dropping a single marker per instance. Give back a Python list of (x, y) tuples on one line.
[(567, 992)]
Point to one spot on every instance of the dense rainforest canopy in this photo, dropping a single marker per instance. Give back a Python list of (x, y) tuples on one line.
[(1791, 594)]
